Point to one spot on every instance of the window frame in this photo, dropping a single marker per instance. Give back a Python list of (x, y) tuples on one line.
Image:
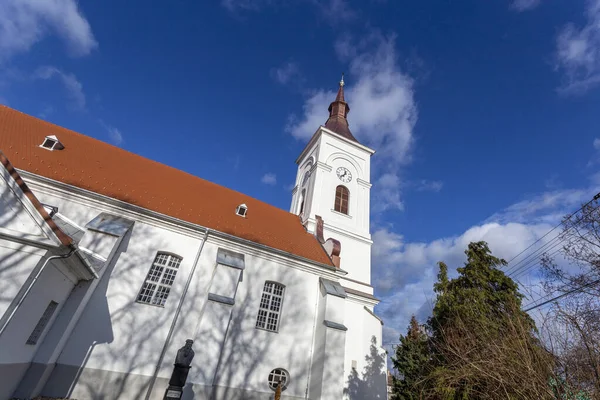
[(268, 308), (157, 296), (281, 372), (335, 202)]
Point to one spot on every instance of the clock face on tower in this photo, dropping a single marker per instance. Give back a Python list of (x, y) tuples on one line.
[(344, 174)]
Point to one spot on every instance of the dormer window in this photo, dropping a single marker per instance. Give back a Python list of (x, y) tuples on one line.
[(241, 210), (52, 143)]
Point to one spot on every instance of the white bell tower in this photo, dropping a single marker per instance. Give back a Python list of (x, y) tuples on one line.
[(333, 182)]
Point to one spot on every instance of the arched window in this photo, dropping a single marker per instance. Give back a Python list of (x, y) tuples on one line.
[(342, 197), (302, 201), (269, 310), (159, 280)]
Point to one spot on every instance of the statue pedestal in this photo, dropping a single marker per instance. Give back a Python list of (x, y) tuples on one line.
[(177, 382)]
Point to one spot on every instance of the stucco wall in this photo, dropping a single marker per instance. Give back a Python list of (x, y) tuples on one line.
[(118, 341), (16, 354)]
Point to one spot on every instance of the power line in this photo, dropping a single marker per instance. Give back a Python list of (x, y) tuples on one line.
[(544, 250), (532, 258), (578, 289), (596, 197)]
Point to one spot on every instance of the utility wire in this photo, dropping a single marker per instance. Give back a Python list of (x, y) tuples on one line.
[(544, 250), (596, 197), (514, 268), (577, 289)]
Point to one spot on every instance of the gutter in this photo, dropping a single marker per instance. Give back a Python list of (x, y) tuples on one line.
[(174, 322)]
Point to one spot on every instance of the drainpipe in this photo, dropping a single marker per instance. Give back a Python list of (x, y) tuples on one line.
[(174, 322), (35, 278), (312, 344)]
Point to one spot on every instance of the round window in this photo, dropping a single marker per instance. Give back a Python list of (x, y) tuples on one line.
[(279, 376)]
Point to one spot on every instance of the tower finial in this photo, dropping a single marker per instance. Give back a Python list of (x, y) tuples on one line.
[(338, 110)]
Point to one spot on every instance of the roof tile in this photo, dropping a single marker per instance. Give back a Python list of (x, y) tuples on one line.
[(96, 166)]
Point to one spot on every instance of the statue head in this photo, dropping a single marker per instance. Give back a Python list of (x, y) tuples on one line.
[(188, 343)]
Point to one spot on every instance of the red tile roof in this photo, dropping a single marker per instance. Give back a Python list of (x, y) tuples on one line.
[(96, 166)]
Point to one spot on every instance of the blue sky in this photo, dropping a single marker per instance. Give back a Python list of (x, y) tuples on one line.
[(484, 114)]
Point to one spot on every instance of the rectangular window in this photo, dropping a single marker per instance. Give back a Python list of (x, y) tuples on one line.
[(159, 280), (41, 325), (270, 307)]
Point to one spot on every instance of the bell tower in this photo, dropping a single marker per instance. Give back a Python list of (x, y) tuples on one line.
[(333, 182)]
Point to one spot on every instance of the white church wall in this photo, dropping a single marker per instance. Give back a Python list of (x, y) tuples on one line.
[(118, 337), (355, 255), (115, 333), (16, 353), (249, 354), (118, 333), (17, 262), (354, 351)]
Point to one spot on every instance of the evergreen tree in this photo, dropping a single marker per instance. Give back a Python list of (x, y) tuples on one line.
[(483, 345), (410, 360)]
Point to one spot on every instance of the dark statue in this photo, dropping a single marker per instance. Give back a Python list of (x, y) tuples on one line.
[(185, 354), (180, 371)]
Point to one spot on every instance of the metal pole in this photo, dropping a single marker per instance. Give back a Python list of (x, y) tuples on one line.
[(173, 323)]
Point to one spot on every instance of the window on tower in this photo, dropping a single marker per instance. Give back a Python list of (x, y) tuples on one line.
[(342, 196), (302, 202)]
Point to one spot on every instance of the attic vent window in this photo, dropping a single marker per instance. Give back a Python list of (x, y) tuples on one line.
[(52, 143), (241, 210)]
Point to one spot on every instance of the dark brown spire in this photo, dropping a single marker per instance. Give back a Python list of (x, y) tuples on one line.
[(338, 110)]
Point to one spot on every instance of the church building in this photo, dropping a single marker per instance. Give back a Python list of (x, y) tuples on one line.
[(110, 261)]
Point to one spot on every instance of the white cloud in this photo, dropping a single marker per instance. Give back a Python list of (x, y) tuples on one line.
[(578, 52), (25, 22), (46, 111), (387, 193), (335, 11), (286, 72), (244, 5), (269, 179), (524, 5), (383, 111), (597, 144), (404, 272), (115, 135), (73, 87), (429, 186), (547, 207)]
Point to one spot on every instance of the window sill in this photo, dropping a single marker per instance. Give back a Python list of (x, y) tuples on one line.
[(266, 330), (150, 304), (340, 213)]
